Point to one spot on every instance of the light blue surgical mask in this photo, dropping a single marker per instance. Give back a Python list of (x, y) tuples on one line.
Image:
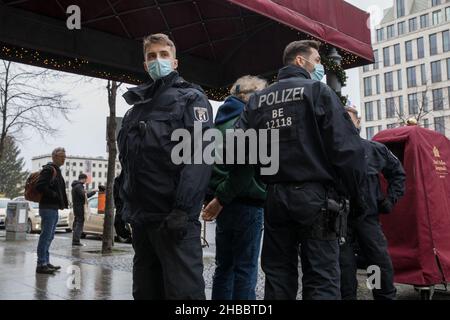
[(159, 68), (319, 71)]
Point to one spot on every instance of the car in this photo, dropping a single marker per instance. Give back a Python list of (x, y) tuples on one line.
[(3, 207), (93, 221), (34, 220)]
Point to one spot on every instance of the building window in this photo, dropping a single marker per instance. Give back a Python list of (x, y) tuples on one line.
[(377, 79), (367, 86), (390, 108), (100, 165), (376, 64), (93, 165), (401, 109), (436, 75), (379, 110), (436, 17), (401, 28), (106, 166), (399, 79), (446, 41), (408, 50), (412, 24), (424, 21), (400, 8), (424, 102), (447, 14), (386, 57), (390, 31), (420, 48), (413, 106), (93, 174), (380, 35), (426, 123), (391, 126), (397, 57), (370, 132), (423, 74), (366, 68), (388, 82), (433, 44), (439, 125), (411, 77), (369, 111), (67, 184), (74, 164), (99, 174), (435, 3), (93, 185), (448, 68), (74, 173), (380, 127), (438, 99), (67, 173)]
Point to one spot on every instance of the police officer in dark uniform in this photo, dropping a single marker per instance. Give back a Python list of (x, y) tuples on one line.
[(320, 157), (364, 227), (162, 198)]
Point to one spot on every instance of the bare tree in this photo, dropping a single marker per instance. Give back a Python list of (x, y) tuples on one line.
[(108, 226), (28, 100)]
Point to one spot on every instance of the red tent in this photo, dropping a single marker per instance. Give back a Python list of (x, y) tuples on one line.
[(418, 230)]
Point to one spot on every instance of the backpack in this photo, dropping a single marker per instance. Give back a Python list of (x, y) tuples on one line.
[(31, 193)]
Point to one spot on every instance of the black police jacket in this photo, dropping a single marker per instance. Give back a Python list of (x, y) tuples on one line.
[(152, 185), (381, 160), (317, 140)]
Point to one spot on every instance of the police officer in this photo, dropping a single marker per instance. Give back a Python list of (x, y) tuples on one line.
[(320, 155), (162, 198), (365, 228)]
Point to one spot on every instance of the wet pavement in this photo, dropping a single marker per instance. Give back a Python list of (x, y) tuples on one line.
[(104, 276)]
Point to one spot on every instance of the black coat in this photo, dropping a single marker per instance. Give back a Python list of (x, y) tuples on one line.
[(152, 185), (53, 188), (381, 160), (317, 140), (79, 196)]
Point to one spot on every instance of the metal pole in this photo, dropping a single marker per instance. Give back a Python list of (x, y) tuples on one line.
[(332, 79)]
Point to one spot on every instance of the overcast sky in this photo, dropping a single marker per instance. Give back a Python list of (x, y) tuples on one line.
[(85, 135)]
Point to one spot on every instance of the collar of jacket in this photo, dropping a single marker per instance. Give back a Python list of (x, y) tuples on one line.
[(292, 71), (147, 91)]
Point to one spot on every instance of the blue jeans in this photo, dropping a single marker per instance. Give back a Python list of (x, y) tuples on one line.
[(238, 241), (49, 220)]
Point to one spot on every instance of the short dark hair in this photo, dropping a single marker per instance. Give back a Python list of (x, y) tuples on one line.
[(82, 176), (302, 47), (162, 39)]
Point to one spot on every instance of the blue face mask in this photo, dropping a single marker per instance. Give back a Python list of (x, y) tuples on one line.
[(319, 71), (159, 68)]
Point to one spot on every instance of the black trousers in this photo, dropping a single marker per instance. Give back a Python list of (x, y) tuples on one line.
[(288, 229), (164, 268), (366, 230), (78, 224)]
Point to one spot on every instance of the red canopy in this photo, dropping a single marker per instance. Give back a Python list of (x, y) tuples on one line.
[(418, 230), (217, 41), (330, 21)]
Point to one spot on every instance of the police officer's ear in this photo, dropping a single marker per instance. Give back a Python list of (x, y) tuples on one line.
[(300, 61), (175, 64), (145, 66)]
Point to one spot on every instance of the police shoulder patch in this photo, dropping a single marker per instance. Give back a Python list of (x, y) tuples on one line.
[(201, 114)]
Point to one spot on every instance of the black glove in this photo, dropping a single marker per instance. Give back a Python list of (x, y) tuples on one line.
[(385, 206), (120, 227), (176, 224)]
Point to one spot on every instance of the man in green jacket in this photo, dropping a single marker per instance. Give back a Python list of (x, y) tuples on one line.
[(237, 206)]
